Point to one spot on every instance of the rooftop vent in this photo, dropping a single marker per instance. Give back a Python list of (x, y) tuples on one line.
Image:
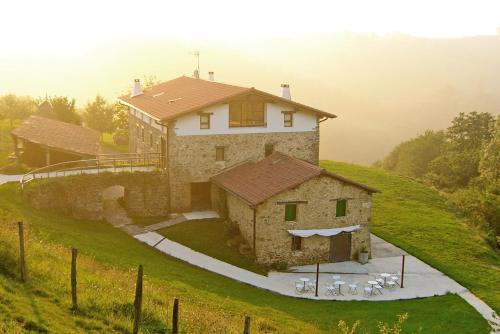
[(136, 90), (211, 76)]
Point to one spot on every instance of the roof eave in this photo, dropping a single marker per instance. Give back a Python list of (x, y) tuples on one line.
[(349, 181)]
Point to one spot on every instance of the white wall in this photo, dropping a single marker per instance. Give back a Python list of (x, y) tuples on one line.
[(189, 125)]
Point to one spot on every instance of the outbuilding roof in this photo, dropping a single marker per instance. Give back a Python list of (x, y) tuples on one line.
[(255, 182), (183, 95), (59, 135)]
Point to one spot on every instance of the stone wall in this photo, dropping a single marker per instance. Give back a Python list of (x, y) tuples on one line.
[(274, 243), (192, 158), (81, 196), (152, 137), (242, 214)]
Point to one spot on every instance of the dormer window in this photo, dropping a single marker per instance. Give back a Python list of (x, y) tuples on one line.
[(204, 121), (247, 113)]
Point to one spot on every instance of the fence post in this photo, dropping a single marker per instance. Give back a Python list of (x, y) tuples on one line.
[(246, 330), (317, 279), (175, 317), (138, 301), (74, 300), (22, 263), (403, 272)]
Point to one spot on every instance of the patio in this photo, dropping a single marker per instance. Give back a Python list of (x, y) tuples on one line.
[(420, 279)]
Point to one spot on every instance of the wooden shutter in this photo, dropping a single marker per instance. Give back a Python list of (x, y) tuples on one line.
[(341, 208), (290, 212)]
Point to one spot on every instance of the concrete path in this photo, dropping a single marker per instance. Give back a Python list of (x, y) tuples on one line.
[(196, 215), (421, 280), (4, 178)]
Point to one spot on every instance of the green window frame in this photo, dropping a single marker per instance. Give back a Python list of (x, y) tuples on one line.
[(290, 212), (341, 208)]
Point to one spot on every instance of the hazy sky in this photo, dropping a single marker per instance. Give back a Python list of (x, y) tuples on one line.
[(73, 26)]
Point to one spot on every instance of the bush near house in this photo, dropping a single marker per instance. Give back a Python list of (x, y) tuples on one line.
[(210, 303)]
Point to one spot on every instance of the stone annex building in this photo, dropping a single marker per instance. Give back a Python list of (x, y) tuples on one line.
[(253, 157)]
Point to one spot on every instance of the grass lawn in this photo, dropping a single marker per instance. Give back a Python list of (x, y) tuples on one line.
[(210, 237), (209, 303), (145, 221), (415, 218), (109, 145)]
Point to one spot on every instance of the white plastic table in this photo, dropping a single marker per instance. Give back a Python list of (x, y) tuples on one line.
[(385, 276), (339, 284), (305, 280), (373, 283)]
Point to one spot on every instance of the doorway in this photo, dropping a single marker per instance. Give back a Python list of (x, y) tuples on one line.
[(201, 196), (340, 247)]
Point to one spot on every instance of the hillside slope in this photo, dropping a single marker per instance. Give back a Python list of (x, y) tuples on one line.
[(415, 218), (210, 303)]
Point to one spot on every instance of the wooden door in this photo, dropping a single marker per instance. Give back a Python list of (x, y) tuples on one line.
[(340, 247)]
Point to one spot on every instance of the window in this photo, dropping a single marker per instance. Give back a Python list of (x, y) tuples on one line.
[(219, 154), (204, 121), (142, 134), (247, 113), (290, 212), (341, 208), (287, 119), (151, 139), (268, 149), (296, 243)]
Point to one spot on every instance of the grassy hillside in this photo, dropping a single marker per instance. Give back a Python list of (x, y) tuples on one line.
[(209, 303), (414, 217)]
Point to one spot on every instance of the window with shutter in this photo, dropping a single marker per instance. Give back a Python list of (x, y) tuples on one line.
[(290, 212), (341, 208)]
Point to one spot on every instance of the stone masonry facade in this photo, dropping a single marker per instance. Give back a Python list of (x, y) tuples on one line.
[(192, 158), (273, 242), (81, 196)]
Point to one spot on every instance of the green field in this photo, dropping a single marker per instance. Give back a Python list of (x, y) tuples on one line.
[(109, 145), (415, 218), (209, 302), (210, 237)]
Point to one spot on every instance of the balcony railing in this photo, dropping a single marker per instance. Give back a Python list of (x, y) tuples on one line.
[(113, 163)]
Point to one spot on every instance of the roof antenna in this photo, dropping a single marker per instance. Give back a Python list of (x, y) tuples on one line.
[(196, 73)]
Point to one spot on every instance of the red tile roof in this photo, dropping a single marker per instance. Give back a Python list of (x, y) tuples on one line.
[(59, 135), (255, 182), (183, 95)]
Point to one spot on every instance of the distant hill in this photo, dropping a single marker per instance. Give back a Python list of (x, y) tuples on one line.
[(384, 89)]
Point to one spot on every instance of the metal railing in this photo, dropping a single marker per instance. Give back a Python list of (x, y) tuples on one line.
[(113, 163)]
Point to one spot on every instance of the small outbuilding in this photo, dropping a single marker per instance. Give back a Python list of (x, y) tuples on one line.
[(293, 212), (41, 141)]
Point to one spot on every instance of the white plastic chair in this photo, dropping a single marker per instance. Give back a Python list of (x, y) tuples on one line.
[(331, 290), (367, 291), (378, 288), (299, 287), (391, 284), (353, 289)]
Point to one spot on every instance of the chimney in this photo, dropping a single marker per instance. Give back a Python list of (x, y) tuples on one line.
[(285, 91), (196, 74), (137, 90), (211, 76)]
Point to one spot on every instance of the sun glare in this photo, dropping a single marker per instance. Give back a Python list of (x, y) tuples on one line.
[(72, 26)]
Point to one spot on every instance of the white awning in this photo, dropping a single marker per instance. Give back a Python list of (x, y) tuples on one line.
[(326, 232)]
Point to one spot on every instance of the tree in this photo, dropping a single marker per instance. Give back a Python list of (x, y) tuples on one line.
[(63, 109), (99, 115), (459, 162), (120, 120), (14, 107), (489, 165), (412, 157)]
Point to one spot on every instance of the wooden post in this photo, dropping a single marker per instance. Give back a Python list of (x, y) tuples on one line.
[(247, 325), (175, 317), (403, 272), (74, 300), (138, 301), (317, 278), (22, 263)]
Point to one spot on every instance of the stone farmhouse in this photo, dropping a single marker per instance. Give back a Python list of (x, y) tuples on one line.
[(253, 157)]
